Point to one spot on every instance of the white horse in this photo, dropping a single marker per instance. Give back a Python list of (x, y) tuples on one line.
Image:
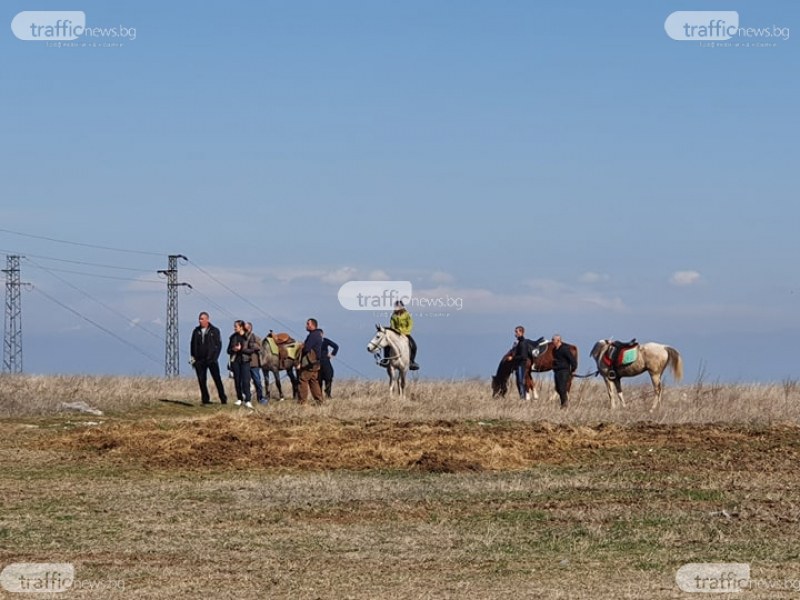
[(652, 357), (397, 357)]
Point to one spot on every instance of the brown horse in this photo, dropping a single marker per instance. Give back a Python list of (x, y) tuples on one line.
[(540, 364), (652, 357)]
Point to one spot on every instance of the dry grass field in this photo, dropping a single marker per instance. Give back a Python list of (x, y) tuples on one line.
[(447, 494)]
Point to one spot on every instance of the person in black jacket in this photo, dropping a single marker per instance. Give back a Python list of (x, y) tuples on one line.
[(519, 354), (206, 346), (240, 354), (309, 364), (329, 350), (564, 365)]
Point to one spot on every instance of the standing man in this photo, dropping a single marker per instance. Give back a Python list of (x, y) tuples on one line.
[(564, 365), (254, 345), (206, 346), (329, 350), (402, 322), (309, 363), (519, 354)]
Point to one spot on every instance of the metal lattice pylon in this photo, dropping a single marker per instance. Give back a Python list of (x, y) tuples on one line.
[(172, 355), (12, 338)]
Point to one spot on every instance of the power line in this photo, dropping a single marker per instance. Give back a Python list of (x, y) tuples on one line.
[(99, 276), (94, 299), (82, 262), (212, 303), (259, 309), (50, 239), (95, 324), (242, 298)]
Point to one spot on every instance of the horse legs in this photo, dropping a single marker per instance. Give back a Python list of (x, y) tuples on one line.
[(401, 381), (265, 373), (530, 384), (618, 385), (612, 393), (278, 386), (292, 375), (656, 379), (390, 373)]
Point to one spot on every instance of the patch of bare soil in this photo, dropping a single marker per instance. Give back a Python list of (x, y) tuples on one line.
[(263, 442)]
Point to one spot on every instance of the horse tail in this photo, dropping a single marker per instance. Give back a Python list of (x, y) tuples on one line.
[(676, 362)]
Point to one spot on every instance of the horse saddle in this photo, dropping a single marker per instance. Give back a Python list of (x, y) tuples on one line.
[(620, 354), (283, 345), (537, 347)]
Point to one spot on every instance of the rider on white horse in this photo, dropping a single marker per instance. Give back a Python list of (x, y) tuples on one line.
[(402, 322)]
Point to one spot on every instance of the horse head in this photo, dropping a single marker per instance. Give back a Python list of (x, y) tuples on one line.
[(598, 349), (499, 386), (377, 342)]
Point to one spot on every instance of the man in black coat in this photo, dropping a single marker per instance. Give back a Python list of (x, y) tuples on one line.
[(564, 365), (206, 346), (329, 350)]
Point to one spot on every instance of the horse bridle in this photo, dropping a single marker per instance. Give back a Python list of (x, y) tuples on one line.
[(385, 361)]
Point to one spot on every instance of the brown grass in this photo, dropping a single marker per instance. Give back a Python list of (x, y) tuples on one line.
[(449, 494)]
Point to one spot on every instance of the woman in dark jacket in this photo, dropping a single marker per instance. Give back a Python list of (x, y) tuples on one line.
[(240, 363)]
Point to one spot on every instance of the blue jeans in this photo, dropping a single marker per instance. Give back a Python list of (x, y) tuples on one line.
[(519, 372), (255, 375)]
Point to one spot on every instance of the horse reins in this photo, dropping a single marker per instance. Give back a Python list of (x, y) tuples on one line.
[(384, 361)]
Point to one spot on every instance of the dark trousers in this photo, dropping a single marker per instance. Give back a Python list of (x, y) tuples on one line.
[(202, 369), (561, 377), (241, 375), (326, 376), (412, 348)]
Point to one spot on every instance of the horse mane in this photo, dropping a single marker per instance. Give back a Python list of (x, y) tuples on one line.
[(504, 369), (598, 348)]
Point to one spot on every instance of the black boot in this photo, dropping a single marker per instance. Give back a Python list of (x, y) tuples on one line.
[(413, 350)]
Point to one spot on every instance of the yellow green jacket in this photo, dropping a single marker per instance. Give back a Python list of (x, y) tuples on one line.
[(402, 322)]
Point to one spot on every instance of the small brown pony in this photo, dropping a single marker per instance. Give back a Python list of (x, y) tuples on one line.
[(540, 364)]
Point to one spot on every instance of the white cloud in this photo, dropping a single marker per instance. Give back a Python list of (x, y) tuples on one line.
[(378, 275), (441, 277), (592, 277), (684, 278), (339, 276)]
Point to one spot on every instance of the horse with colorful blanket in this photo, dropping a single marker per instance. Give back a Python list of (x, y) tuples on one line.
[(280, 352), (616, 360)]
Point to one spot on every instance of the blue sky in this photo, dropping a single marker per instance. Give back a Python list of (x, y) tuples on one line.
[(569, 167)]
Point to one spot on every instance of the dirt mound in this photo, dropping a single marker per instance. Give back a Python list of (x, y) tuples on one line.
[(440, 446)]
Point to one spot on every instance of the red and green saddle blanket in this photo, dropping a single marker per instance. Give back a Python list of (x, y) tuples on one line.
[(621, 354)]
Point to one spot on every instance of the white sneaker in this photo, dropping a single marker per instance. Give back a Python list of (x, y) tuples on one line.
[(248, 404), (237, 403), (528, 396)]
